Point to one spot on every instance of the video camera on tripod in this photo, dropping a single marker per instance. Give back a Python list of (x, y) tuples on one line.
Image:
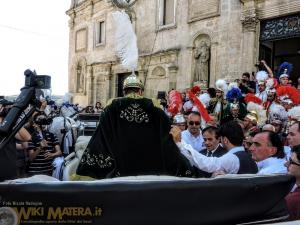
[(16, 117)]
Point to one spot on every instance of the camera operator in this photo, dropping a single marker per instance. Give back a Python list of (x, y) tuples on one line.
[(246, 85), (43, 148), (11, 153)]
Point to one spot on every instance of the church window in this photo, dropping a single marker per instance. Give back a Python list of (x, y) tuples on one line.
[(168, 12), (166, 15), (100, 33)]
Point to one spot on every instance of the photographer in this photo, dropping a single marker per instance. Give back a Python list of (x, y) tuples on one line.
[(43, 148), (246, 85), (10, 154)]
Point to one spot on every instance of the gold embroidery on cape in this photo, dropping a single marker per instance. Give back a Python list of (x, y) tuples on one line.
[(134, 113), (99, 159)]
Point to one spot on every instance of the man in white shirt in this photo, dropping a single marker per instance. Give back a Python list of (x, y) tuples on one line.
[(193, 134), (262, 94), (267, 151), (235, 161)]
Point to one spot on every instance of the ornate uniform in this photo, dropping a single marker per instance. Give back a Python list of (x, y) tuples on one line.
[(132, 138)]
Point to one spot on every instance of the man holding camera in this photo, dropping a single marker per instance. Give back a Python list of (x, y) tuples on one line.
[(246, 85), (43, 148)]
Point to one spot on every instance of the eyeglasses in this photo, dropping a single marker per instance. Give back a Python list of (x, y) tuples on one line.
[(292, 162), (197, 123)]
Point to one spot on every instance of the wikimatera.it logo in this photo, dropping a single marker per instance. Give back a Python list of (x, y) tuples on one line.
[(32, 214)]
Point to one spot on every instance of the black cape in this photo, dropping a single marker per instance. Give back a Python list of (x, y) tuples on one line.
[(133, 138)]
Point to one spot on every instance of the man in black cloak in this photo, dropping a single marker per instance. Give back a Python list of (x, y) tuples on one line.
[(133, 138)]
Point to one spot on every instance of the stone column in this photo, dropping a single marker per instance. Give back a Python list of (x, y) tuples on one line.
[(90, 85), (249, 48)]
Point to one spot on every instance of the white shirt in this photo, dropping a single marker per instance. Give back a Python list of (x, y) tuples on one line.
[(229, 163), (287, 152), (262, 95), (271, 165), (196, 142), (213, 151)]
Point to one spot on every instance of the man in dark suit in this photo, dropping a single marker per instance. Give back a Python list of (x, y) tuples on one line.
[(212, 142)]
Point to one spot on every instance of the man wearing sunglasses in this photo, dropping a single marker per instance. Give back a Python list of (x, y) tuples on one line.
[(235, 161), (193, 134), (293, 199)]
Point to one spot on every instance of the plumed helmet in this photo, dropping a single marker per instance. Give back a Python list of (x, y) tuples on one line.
[(132, 81), (221, 85), (261, 77), (252, 115), (285, 74), (179, 118)]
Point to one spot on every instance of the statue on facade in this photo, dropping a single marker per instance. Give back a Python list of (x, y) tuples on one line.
[(201, 56)]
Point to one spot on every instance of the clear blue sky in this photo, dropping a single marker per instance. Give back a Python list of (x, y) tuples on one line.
[(33, 35)]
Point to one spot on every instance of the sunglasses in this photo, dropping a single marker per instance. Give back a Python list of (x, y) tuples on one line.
[(197, 123), (292, 162)]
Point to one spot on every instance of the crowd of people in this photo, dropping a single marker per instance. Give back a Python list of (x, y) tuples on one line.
[(249, 126)]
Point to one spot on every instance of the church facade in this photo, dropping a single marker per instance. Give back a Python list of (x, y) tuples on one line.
[(181, 43)]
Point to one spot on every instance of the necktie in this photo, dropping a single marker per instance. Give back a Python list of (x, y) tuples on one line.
[(209, 154)]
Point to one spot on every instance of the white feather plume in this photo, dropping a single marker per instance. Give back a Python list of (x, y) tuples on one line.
[(222, 85), (260, 111), (278, 112), (126, 41), (270, 83), (232, 85), (294, 113), (262, 75), (205, 99)]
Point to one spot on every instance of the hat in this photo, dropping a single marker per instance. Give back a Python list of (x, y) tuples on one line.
[(234, 105), (179, 118), (277, 112), (261, 77), (132, 82), (258, 112), (284, 69), (284, 74), (252, 115), (221, 85)]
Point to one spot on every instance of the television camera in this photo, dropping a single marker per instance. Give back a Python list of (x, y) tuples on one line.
[(24, 106)]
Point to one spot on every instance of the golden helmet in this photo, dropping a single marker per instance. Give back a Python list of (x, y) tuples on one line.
[(252, 115), (132, 81)]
